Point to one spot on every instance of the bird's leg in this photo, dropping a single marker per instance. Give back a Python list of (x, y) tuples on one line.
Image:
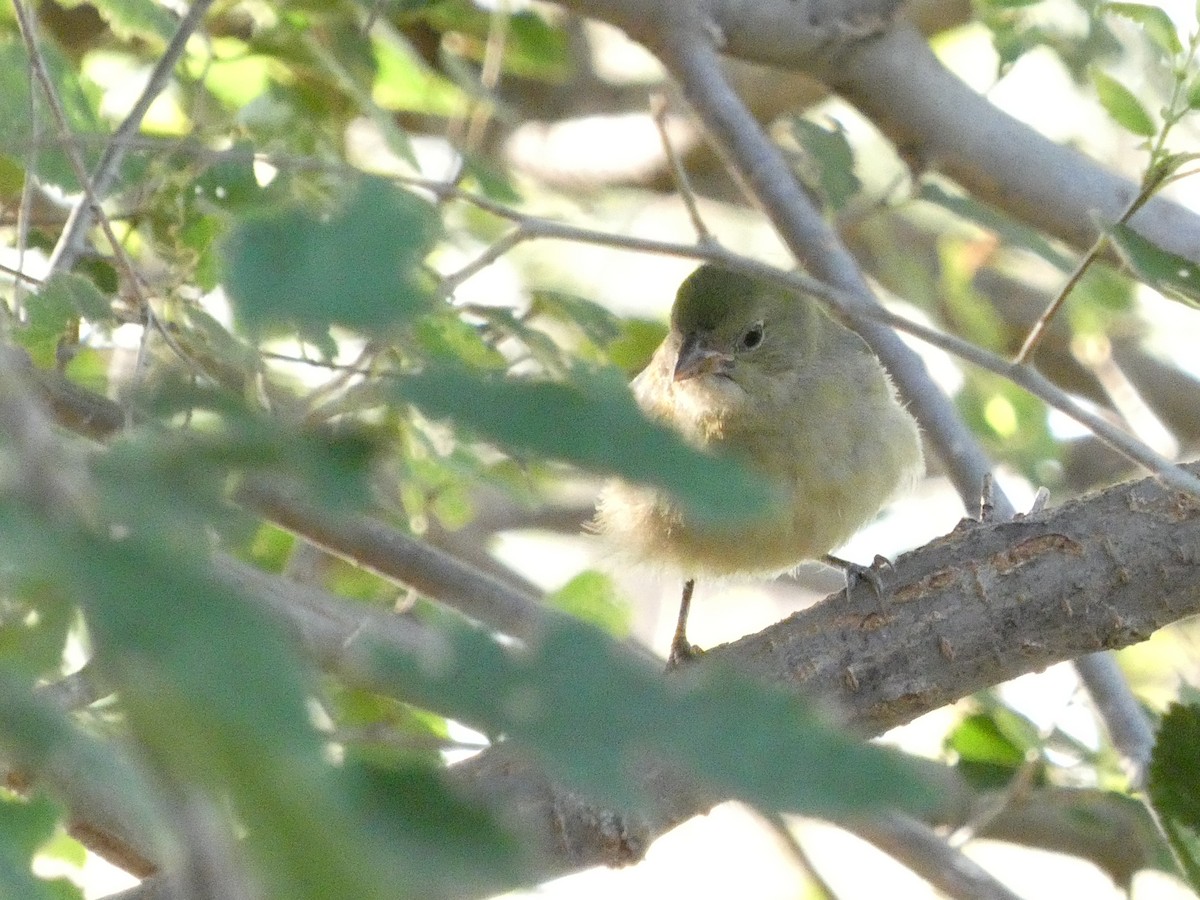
[(681, 650), (856, 573)]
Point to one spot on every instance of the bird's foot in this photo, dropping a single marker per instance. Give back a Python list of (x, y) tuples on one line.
[(682, 653), (856, 574)]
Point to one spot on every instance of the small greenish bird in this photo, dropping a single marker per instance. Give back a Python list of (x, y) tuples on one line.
[(768, 377)]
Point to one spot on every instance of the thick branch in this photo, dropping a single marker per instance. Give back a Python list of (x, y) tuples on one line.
[(932, 116), (975, 608)]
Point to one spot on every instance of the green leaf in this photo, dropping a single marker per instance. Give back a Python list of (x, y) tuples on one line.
[(136, 18), (53, 311), (25, 825), (1193, 94), (1173, 787), (213, 690), (1173, 766), (82, 296), (639, 339), (827, 164), (1154, 21), (597, 719), (217, 697), (1174, 276), (593, 597), (978, 738), (42, 741), (533, 48), (995, 221), (332, 463), (406, 82), (988, 755), (1120, 103), (593, 423), (230, 183), (357, 267), (17, 136)]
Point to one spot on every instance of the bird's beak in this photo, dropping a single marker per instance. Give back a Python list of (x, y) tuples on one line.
[(696, 359)]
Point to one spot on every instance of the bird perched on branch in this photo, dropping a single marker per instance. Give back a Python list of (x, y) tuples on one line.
[(768, 377)]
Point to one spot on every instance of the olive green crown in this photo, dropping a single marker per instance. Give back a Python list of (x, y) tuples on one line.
[(712, 295)]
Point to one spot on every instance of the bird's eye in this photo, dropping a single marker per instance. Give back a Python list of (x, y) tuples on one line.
[(753, 336)]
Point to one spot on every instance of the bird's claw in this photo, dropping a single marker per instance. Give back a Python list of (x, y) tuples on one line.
[(682, 652), (856, 574)]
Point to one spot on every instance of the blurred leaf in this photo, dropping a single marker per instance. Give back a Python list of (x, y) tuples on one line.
[(593, 597), (230, 182), (1172, 275), (217, 698), (1103, 296), (230, 361), (639, 339), (1173, 766), (447, 338), (580, 327), (979, 738), (135, 18), (598, 719), (532, 47), (827, 164), (332, 463), (1154, 21), (406, 82), (342, 55), (452, 845), (53, 312), (17, 137), (993, 220), (1120, 103), (26, 825), (986, 755), (34, 622), (78, 294), (1173, 787), (271, 548), (1012, 424), (592, 422), (357, 267), (42, 741), (493, 182), (233, 73)]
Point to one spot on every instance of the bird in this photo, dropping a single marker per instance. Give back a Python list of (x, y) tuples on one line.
[(755, 372)]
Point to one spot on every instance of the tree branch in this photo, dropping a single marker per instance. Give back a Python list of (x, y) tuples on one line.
[(975, 608), (931, 115), (70, 242)]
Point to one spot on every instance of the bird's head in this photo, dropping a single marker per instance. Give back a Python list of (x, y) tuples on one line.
[(729, 325)]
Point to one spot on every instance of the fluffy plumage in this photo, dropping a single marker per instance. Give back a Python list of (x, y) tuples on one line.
[(766, 376)]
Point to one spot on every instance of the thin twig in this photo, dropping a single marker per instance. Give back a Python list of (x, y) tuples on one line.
[(489, 75), (1038, 331), (816, 882), (495, 250), (90, 198), (27, 185), (533, 228), (1128, 726), (659, 110), (70, 241), (20, 275), (920, 848)]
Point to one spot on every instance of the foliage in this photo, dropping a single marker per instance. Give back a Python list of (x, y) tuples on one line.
[(293, 261)]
